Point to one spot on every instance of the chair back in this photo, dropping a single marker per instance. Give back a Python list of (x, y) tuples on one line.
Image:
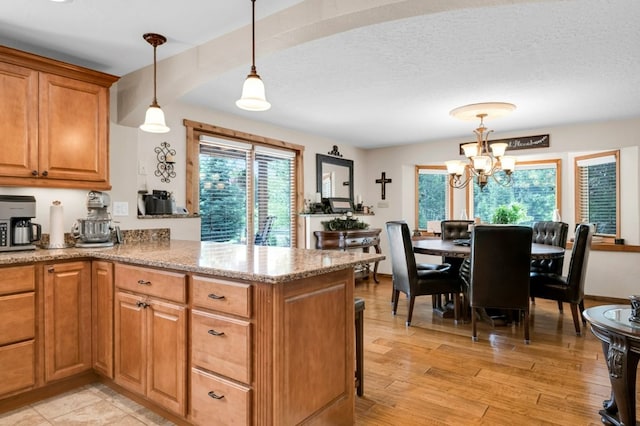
[(500, 262), (455, 229), (403, 261), (262, 237), (578, 263), (553, 234)]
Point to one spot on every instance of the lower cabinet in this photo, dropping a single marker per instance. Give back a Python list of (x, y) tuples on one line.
[(67, 319), (102, 323), (150, 336), (17, 329)]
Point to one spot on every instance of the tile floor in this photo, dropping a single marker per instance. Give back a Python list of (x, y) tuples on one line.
[(94, 404)]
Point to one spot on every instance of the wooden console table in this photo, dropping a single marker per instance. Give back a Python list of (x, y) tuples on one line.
[(352, 239)]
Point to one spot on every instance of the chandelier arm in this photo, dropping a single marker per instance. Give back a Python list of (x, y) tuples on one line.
[(507, 181), (456, 182)]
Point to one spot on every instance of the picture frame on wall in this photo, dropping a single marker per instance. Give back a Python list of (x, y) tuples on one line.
[(340, 205)]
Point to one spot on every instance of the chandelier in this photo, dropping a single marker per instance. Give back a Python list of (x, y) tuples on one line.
[(484, 159)]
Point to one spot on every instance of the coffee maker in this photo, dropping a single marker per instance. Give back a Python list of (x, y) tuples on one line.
[(95, 229), (17, 232)]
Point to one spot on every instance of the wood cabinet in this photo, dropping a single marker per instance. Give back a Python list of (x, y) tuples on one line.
[(221, 352), (352, 239), (17, 329), (67, 319), (55, 123), (150, 335), (102, 312)]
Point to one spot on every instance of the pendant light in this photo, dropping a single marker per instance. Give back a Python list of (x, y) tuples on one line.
[(154, 118), (253, 97)]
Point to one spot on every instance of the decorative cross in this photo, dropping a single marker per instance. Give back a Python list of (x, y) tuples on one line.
[(383, 181)]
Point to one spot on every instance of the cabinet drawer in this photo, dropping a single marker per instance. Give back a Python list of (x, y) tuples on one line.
[(17, 279), (17, 318), (222, 345), (362, 241), (223, 296), (152, 282), (215, 400), (17, 370)]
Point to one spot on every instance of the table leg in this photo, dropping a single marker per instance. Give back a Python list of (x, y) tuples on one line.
[(622, 363)]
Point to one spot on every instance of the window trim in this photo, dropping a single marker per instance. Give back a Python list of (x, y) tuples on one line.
[(195, 129), (556, 161), (416, 186), (578, 187)]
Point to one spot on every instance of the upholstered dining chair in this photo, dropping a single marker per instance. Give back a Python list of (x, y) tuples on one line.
[(499, 277), (569, 289), (554, 234), (455, 230), (408, 279)]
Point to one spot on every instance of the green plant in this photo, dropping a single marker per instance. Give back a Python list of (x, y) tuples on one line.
[(513, 213)]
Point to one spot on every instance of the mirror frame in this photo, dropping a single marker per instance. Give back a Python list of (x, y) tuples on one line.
[(322, 159)]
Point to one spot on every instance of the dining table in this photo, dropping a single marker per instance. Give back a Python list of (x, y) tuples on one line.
[(462, 249)]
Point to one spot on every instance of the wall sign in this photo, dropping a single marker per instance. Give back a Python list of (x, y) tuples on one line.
[(526, 142)]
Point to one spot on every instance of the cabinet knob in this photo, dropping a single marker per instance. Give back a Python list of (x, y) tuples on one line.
[(34, 173), (214, 395), (142, 305), (216, 333), (45, 173), (215, 297), (143, 282), (51, 269)]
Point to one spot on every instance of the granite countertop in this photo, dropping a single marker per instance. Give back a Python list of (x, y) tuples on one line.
[(253, 263)]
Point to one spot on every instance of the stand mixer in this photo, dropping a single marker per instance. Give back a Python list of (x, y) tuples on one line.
[(95, 230)]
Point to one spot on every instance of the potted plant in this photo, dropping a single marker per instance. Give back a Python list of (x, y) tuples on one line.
[(513, 213)]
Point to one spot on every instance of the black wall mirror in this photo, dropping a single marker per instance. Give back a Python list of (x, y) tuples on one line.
[(334, 177)]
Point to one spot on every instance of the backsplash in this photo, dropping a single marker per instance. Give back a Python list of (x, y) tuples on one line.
[(128, 236)]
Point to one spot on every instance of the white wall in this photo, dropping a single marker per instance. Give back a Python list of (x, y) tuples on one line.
[(566, 143)]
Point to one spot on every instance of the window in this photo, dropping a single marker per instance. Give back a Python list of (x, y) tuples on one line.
[(433, 195), (243, 186), (536, 186), (598, 191)]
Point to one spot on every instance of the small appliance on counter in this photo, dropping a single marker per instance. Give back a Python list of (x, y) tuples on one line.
[(158, 202), (17, 232), (95, 229)]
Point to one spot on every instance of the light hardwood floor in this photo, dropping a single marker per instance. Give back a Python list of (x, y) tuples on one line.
[(428, 374), (431, 373)]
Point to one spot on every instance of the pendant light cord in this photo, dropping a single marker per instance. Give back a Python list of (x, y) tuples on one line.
[(155, 100), (253, 36)]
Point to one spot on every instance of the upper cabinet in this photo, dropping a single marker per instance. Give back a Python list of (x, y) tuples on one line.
[(54, 121)]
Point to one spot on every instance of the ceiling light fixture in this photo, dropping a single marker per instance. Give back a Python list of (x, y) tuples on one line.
[(253, 97), (154, 118), (482, 162)]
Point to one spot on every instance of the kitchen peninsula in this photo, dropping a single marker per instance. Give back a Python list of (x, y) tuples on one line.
[(198, 331)]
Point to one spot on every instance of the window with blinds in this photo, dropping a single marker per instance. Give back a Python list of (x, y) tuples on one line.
[(433, 196), (597, 192), (237, 209)]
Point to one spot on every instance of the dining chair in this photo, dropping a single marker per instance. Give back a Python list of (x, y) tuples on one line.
[(499, 276), (410, 280), (455, 230), (569, 289), (553, 234)]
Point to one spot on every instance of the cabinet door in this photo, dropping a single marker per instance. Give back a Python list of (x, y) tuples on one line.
[(167, 353), (102, 311), (130, 342), (67, 319), (19, 112), (73, 129)]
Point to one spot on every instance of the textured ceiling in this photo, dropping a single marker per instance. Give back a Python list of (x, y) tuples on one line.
[(370, 73)]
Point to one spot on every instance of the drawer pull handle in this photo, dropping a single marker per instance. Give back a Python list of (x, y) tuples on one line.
[(215, 297), (214, 395), (216, 333), (143, 282)]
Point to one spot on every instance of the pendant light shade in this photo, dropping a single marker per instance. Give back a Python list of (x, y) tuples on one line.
[(154, 118), (253, 95)]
